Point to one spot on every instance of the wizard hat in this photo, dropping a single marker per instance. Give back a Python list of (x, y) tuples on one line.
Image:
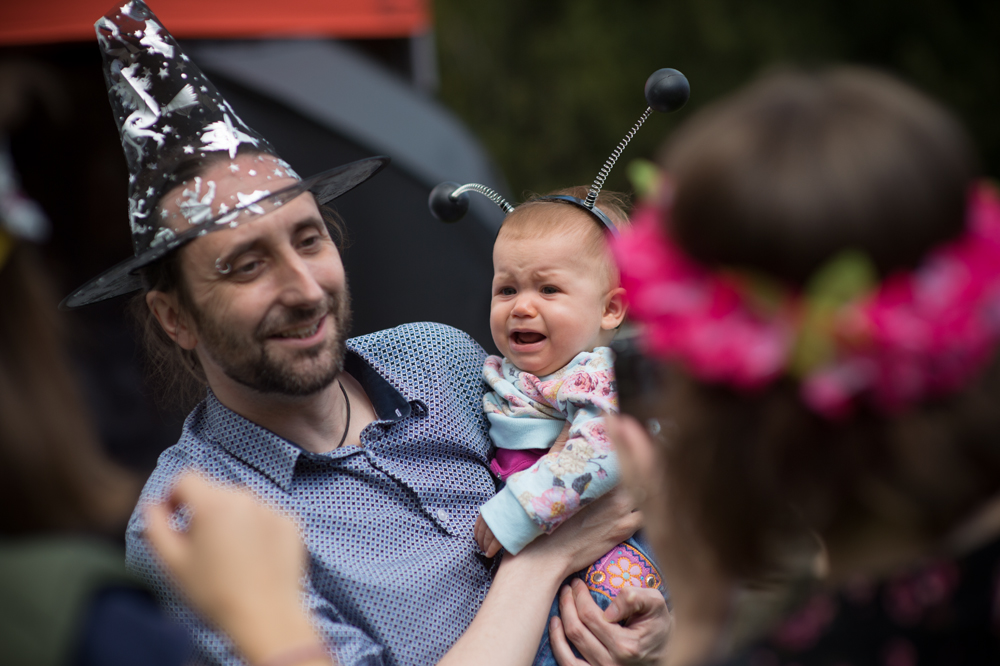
[(172, 119)]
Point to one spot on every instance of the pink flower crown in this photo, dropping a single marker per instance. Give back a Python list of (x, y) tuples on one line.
[(844, 336)]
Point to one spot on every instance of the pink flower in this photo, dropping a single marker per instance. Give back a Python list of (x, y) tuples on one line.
[(514, 400), (920, 334), (547, 390), (624, 573), (594, 432), (555, 503), (695, 316), (579, 382), (908, 598), (805, 627)]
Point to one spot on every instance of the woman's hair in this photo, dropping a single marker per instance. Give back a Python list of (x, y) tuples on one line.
[(53, 473), (778, 179), (797, 167), (175, 374)]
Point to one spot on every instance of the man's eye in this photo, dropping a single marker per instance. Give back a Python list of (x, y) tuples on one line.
[(248, 267), (309, 241)]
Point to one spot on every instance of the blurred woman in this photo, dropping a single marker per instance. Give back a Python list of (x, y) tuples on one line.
[(818, 285)]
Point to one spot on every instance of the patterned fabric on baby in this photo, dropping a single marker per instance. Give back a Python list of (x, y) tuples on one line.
[(528, 412)]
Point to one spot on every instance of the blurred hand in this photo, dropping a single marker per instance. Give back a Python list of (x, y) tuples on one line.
[(598, 636), (488, 543), (239, 564)]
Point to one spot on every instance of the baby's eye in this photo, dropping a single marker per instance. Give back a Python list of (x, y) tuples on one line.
[(507, 291), (549, 289)]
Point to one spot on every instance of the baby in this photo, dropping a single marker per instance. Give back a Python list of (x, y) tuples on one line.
[(556, 306)]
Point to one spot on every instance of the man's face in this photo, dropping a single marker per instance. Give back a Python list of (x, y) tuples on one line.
[(269, 300)]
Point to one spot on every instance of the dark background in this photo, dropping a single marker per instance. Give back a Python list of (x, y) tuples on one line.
[(551, 87)]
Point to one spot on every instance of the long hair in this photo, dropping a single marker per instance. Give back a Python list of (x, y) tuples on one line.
[(53, 473)]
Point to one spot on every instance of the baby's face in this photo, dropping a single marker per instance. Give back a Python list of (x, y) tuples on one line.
[(549, 300)]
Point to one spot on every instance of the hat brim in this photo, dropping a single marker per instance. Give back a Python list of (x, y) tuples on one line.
[(325, 186)]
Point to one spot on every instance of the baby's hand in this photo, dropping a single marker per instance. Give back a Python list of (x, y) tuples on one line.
[(484, 537)]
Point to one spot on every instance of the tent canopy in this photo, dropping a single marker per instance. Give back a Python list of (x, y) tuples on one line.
[(51, 21)]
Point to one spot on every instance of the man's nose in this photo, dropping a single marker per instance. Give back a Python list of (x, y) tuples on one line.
[(299, 286)]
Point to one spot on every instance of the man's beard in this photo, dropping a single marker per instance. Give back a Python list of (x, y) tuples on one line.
[(246, 359)]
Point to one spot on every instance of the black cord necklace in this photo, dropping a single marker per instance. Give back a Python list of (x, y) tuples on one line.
[(347, 426)]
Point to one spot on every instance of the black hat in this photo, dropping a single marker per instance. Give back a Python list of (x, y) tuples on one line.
[(170, 117)]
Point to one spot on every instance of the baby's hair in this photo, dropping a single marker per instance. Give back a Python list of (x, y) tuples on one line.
[(536, 218)]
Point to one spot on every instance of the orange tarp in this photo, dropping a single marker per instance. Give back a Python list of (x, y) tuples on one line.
[(47, 21)]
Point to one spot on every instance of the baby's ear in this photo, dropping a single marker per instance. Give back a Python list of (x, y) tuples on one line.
[(614, 309)]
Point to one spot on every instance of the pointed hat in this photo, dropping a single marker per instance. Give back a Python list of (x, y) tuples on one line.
[(172, 119)]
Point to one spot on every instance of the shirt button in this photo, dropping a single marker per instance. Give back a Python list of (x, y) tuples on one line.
[(442, 515)]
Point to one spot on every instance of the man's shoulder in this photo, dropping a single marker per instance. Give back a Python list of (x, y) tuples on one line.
[(430, 337), (193, 450), (425, 359), (421, 344)]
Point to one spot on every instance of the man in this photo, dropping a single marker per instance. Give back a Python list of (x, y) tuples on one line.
[(377, 445)]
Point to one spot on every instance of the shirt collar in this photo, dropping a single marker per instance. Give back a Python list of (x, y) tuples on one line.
[(276, 457)]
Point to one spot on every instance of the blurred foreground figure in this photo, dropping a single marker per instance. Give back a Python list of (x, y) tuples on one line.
[(818, 285), (65, 597)]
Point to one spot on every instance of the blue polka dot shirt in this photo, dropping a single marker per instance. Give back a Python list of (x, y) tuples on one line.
[(394, 576)]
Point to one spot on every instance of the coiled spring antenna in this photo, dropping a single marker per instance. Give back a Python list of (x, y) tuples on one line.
[(666, 90)]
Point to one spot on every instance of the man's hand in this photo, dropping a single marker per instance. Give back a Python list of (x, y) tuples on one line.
[(484, 537), (599, 637)]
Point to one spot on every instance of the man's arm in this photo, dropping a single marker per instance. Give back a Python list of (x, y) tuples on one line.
[(508, 627)]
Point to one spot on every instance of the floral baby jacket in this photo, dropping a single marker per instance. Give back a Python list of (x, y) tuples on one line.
[(528, 412)]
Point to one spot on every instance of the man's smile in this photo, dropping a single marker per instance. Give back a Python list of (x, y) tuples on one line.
[(304, 334)]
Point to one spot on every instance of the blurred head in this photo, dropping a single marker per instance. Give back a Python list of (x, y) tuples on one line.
[(263, 305), (778, 179), (555, 286)]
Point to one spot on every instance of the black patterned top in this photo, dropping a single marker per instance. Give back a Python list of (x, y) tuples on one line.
[(946, 611)]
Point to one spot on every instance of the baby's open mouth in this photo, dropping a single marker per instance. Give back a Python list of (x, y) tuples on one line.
[(526, 337)]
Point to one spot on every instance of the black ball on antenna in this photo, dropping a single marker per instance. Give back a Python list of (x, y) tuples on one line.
[(446, 208), (667, 90)]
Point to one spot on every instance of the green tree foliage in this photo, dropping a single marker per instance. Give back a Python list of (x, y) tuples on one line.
[(551, 86)]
